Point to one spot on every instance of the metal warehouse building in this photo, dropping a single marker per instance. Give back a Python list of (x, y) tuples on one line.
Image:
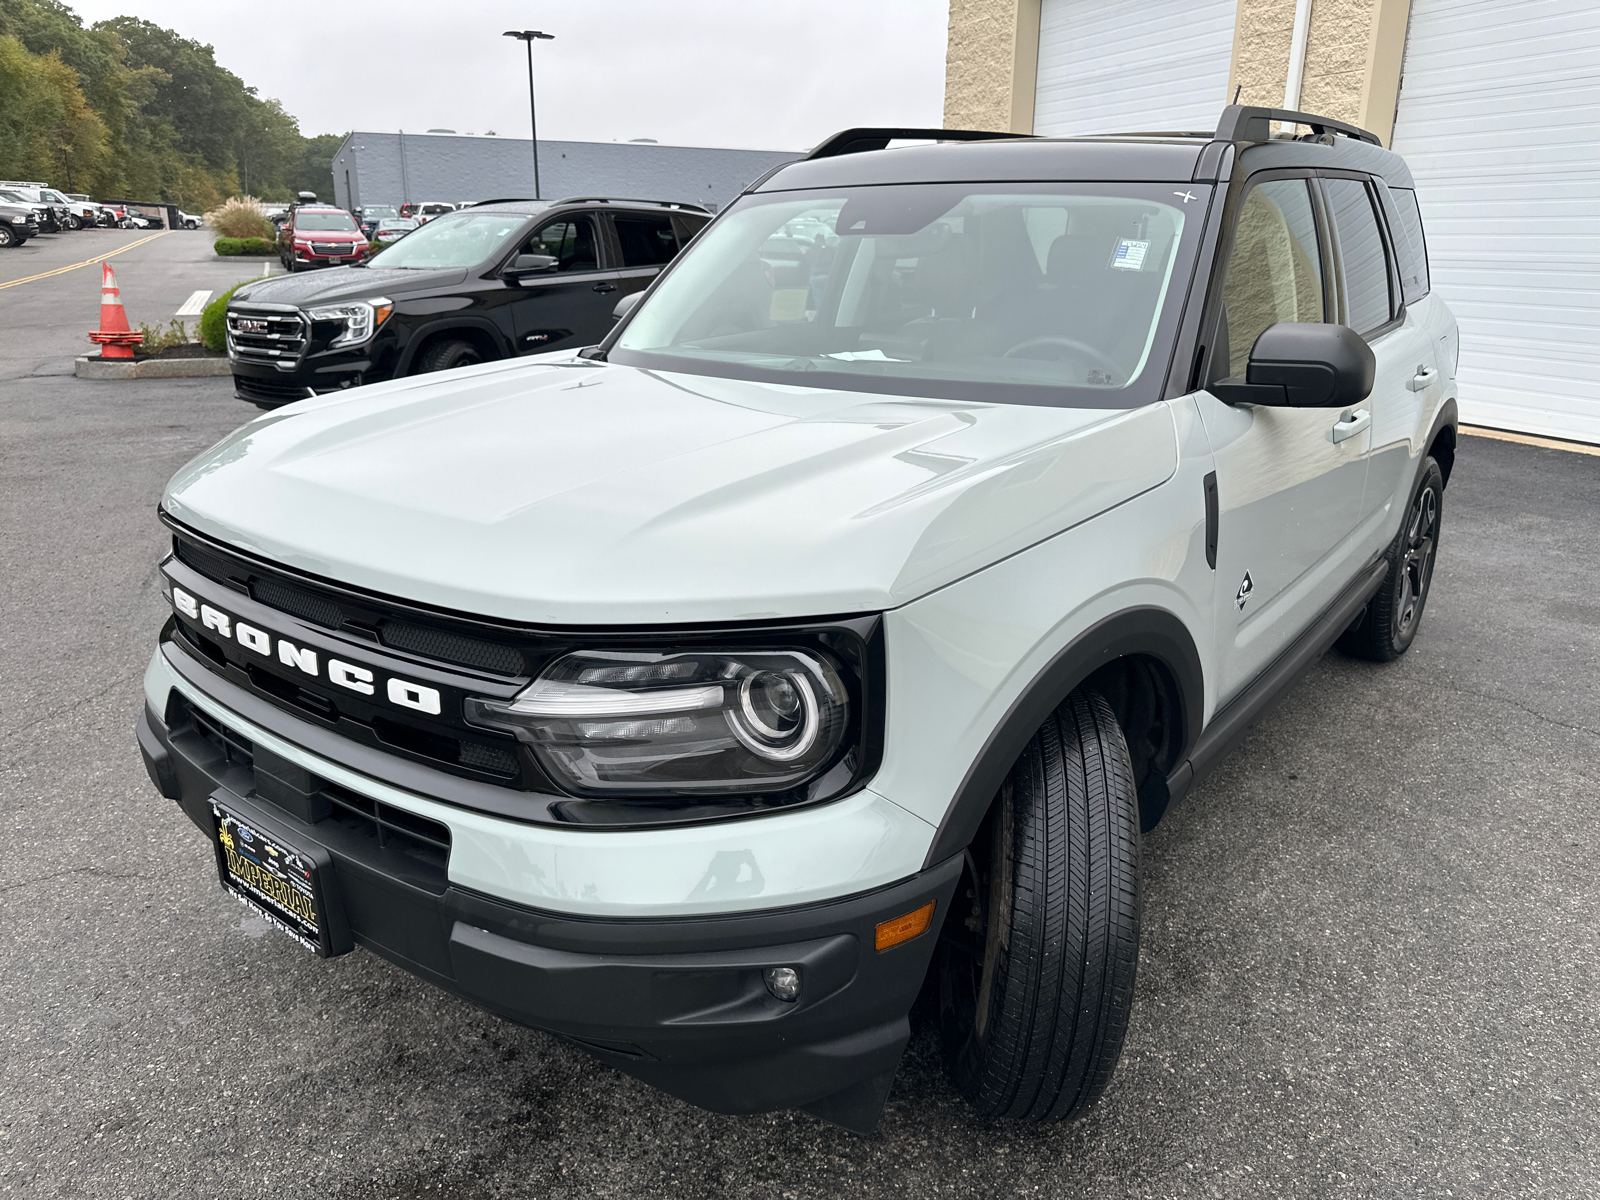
[(391, 168), (1494, 104)]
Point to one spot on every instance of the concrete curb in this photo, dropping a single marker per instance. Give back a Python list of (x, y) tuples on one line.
[(151, 368)]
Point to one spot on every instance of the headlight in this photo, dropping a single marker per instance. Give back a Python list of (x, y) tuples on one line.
[(681, 723), (361, 319)]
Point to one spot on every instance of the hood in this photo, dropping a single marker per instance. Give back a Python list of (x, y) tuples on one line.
[(345, 283), (576, 493)]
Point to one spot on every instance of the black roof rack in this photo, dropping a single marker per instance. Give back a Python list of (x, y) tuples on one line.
[(632, 200), (859, 141), (505, 200), (1241, 123)]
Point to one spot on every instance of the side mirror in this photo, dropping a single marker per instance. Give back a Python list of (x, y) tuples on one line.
[(1297, 364), (626, 305), (530, 264)]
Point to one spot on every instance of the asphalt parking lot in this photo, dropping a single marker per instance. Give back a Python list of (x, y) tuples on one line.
[(1370, 960)]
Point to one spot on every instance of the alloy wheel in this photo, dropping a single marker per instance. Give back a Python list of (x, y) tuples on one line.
[(1422, 527)]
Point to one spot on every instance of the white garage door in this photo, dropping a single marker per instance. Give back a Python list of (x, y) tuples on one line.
[(1111, 66), (1499, 118)]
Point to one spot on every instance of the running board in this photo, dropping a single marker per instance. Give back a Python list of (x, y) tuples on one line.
[(1229, 726)]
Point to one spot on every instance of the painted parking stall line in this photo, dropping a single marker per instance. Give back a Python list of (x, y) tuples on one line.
[(194, 305)]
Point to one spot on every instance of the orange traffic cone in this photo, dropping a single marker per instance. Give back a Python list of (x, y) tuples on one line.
[(115, 338)]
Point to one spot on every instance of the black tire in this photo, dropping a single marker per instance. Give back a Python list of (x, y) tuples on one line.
[(451, 352), (7, 238), (1040, 953), (1388, 625)]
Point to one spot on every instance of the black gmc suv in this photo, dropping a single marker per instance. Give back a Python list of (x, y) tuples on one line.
[(501, 278)]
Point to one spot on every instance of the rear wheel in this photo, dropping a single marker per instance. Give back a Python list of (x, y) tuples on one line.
[(452, 352), (1038, 962), (1388, 625)]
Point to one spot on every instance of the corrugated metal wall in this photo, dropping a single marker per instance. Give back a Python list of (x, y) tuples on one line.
[(1499, 118), (1111, 66), (388, 168)]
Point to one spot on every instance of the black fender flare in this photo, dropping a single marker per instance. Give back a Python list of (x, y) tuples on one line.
[(1448, 417), (1148, 631), (447, 323)]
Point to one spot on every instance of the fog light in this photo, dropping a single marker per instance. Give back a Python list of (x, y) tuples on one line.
[(784, 983)]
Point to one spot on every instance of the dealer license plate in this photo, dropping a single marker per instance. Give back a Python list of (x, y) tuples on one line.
[(276, 880)]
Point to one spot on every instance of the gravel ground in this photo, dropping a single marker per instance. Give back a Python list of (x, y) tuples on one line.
[(1369, 962)]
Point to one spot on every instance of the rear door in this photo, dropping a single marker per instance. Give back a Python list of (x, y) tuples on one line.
[(570, 306), (1289, 494), (646, 242)]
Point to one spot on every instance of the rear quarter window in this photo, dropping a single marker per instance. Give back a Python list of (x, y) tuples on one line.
[(1410, 245)]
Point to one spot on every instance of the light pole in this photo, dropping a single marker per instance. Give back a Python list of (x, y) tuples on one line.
[(529, 36)]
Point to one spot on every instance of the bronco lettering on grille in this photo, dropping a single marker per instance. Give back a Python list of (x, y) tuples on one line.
[(402, 693)]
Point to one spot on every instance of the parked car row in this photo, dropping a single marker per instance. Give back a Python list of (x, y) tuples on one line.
[(31, 208)]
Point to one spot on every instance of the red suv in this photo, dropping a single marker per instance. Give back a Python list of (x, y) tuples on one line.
[(318, 235)]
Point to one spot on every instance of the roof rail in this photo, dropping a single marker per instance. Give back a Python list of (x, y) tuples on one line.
[(858, 141), (689, 204), (1241, 123)]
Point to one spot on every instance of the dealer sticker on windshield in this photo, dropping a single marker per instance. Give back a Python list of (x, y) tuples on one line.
[(1130, 254)]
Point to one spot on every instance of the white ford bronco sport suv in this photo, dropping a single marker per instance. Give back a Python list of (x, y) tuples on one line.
[(936, 519)]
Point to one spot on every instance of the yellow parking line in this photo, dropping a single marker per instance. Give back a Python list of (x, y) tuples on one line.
[(1526, 439), (88, 262)]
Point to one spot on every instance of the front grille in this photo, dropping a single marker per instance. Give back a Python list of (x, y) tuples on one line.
[(306, 605), (332, 248), (452, 647), (267, 337), (269, 391), (444, 741)]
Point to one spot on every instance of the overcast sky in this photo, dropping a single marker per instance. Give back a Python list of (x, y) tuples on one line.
[(755, 74)]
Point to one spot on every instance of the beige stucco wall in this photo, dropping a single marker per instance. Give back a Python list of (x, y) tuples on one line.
[(991, 64), (1352, 68)]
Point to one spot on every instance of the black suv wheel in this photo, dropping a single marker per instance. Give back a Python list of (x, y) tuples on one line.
[(451, 352), (1388, 625), (1038, 963)]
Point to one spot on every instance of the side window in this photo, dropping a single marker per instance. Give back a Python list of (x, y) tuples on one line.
[(646, 241), (570, 243), (1364, 266), (1412, 248), (1275, 267)]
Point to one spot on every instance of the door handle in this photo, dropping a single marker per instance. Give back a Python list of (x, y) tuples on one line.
[(1349, 424), (1423, 379), (605, 287)]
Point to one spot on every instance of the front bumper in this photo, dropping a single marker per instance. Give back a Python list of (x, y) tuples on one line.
[(678, 1002)]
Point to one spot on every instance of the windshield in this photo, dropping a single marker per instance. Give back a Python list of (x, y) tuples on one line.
[(453, 240), (378, 210), (325, 221), (52, 195), (1023, 293)]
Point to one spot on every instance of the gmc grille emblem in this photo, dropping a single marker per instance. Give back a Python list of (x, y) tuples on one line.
[(248, 325), (401, 692)]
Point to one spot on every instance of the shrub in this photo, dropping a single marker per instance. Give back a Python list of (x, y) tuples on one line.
[(230, 247), (240, 217), (213, 330), (157, 339)]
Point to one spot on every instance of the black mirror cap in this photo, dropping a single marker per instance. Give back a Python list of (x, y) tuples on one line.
[(625, 305), (1315, 364)]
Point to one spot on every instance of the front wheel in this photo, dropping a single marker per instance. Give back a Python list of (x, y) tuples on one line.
[(452, 352), (1040, 952), (73, 223), (1388, 625), (7, 238)]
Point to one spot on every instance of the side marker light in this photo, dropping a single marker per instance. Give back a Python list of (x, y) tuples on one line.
[(902, 929)]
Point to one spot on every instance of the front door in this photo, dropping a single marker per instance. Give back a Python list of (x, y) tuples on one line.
[(570, 306), (1289, 481)]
